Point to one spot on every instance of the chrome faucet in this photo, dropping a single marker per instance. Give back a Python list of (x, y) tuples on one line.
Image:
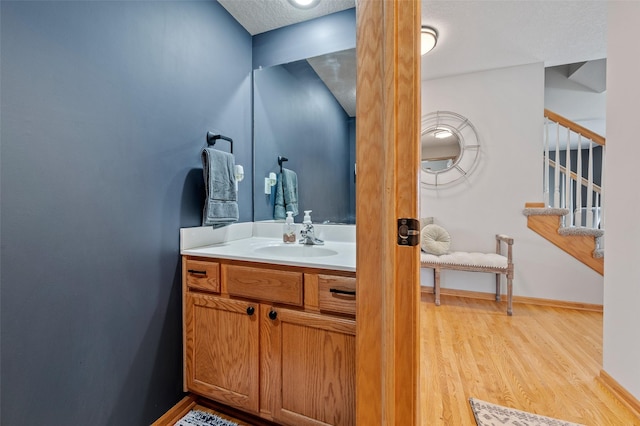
[(308, 236), (308, 232)]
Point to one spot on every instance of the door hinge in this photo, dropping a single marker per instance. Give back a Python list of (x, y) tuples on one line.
[(408, 232)]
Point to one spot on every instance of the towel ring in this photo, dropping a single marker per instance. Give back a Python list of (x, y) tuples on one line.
[(213, 137)]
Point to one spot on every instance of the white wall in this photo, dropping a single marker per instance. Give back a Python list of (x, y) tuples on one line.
[(622, 278), (574, 101), (506, 107)]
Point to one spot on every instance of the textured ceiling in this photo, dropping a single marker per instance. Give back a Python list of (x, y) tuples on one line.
[(258, 16), (474, 35), (480, 35)]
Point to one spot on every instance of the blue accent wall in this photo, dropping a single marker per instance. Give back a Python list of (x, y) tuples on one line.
[(330, 33), (352, 170), (297, 117), (104, 110)]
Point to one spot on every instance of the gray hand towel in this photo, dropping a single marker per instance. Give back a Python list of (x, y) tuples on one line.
[(220, 206), (286, 194)]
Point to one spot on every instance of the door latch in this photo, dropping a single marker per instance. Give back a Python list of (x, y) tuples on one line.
[(408, 232)]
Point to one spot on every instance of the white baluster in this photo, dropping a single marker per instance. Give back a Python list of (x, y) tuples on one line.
[(568, 199), (597, 208), (579, 180), (602, 203), (556, 182), (561, 188), (590, 187), (545, 188)]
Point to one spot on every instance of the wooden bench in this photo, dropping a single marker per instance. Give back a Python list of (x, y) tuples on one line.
[(496, 263)]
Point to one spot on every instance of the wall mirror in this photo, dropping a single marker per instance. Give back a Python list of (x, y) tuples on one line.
[(449, 148), (305, 111)]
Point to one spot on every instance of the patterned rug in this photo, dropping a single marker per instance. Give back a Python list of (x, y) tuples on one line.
[(201, 418), (488, 414)]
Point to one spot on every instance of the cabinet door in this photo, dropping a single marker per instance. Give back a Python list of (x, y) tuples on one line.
[(316, 377), (222, 350)]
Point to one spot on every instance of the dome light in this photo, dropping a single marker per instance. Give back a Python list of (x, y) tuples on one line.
[(428, 39), (304, 4)]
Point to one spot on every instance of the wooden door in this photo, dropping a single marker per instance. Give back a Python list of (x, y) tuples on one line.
[(222, 349), (387, 156), (316, 356)]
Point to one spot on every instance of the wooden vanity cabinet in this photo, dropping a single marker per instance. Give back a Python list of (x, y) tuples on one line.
[(315, 357), (265, 345), (222, 349)]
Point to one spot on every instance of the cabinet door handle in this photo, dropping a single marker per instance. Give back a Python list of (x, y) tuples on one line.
[(273, 314), (338, 291), (193, 271), (250, 310)]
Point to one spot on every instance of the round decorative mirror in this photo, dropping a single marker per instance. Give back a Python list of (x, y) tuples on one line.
[(449, 148)]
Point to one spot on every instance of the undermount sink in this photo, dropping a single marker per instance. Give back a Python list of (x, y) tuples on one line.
[(295, 250)]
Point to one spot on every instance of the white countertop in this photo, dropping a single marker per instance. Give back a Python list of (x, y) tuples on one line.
[(262, 242)]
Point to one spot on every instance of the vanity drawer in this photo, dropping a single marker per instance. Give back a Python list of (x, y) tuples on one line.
[(202, 275), (337, 294), (264, 284)]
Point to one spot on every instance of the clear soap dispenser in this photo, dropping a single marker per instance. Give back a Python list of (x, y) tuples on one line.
[(289, 230), (307, 217)]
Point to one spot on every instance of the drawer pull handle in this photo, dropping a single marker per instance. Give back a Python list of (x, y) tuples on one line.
[(338, 291), (250, 310), (193, 271), (273, 315)]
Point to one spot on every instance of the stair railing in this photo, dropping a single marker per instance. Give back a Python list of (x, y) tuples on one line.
[(574, 171)]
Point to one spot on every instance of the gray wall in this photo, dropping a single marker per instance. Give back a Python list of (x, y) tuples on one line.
[(297, 117), (104, 109)]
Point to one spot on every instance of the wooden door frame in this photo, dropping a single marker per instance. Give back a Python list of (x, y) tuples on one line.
[(387, 188)]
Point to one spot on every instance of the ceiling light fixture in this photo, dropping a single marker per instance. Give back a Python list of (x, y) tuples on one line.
[(304, 4), (428, 39), (442, 133)]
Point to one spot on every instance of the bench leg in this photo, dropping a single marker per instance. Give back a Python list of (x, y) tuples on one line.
[(498, 288), (509, 294), (436, 285)]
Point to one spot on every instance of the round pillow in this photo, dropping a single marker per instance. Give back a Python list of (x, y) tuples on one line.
[(435, 239)]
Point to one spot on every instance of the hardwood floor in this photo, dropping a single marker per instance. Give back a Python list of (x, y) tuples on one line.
[(543, 360)]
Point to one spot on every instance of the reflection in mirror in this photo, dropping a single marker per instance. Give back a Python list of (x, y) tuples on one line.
[(449, 148), (297, 116), (440, 149)]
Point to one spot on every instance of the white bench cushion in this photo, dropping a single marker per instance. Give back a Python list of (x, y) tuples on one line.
[(463, 258)]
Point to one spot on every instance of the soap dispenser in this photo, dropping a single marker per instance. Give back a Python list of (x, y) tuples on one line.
[(307, 232), (289, 230), (307, 217)]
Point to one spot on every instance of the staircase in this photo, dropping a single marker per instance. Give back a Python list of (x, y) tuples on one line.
[(573, 218), (578, 241)]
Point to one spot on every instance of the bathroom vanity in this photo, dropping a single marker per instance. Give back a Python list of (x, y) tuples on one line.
[(269, 328)]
